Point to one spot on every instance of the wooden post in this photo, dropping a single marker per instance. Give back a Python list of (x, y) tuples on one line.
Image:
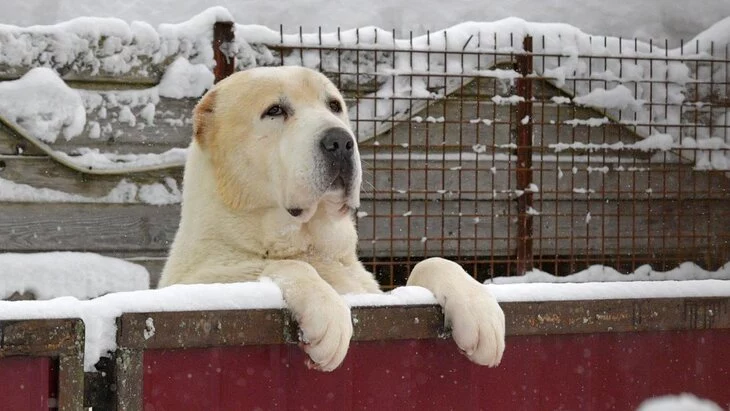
[(524, 159), (128, 380), (225, 61), (57, 338), (71, 369)]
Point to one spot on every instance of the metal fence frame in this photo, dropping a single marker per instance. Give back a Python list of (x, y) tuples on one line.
[(529, 243)]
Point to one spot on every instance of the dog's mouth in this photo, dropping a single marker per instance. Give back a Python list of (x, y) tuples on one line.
[(337, 201), (336, 196), (338, 184), (295, 212)]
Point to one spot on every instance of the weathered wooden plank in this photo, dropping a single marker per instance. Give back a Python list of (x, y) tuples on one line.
[(128, 376), (196, 329), (488, 87), (43, 172), (59, 338), (207, 329), (435, 178), (624, 180), (86, 227), (71, 379), (430, 228), (134, 227), (118, 122), (13, 144), (154, 262), (630, 315), (559, 177), (459, 123), (171, 126), (690, 228), (40, 337), (417, 228)]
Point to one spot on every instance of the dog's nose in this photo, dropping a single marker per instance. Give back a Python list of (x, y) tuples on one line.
[(337, 143)]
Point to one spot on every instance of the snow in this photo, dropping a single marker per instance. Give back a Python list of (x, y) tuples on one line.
[(99, 314), (591, 122), (618, 97), (95, 159), (123, 192), (681, 402), (658, 141), (183, 79), (43, 104), (148, 114), (599, 273), (79, 275), (636, 88), (126, 116), (631, 18), (149, 329), (553, 291), (398, 296)]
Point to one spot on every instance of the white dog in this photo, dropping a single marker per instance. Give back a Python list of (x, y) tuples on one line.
[(271, 181)]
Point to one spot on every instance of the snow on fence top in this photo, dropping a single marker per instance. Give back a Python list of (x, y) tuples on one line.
[(99, 314), (642, 85), (79, 275)]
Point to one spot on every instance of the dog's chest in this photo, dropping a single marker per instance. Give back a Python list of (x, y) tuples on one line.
[(309, 242)]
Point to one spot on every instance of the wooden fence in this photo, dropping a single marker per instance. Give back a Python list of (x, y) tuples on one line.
[(560, 354)]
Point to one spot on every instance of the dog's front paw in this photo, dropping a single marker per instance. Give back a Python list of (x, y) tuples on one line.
[(325, 330), (477, 324)]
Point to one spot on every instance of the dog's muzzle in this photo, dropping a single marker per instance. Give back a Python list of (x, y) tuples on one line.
[(337, 147)]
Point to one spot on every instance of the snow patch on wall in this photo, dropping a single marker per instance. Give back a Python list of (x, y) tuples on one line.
[(681, 402), (59, 274), (98, 160), (124, 192), (43, 104), (599, 273), (182, 79)]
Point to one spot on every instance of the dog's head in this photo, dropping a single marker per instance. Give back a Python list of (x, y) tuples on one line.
[(280, 136)]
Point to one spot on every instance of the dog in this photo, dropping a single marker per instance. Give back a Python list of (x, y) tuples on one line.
[(271, 182)]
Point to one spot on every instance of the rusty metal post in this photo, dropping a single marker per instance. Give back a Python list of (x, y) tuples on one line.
[(524, 159), (225, 61)]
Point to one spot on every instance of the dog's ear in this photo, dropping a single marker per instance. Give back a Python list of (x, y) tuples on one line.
[(203, 117)]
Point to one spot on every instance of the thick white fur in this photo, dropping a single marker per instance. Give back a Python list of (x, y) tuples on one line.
[(245, 169)]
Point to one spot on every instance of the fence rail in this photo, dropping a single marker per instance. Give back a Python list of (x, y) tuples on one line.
[(161, 356)]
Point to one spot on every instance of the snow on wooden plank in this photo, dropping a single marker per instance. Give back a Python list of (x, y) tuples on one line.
[(41, 172)]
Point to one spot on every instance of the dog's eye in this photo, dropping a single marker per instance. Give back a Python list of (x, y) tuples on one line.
[(275, 111), (335, 106)]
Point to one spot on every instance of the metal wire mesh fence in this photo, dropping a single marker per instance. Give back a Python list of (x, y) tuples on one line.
[(507, 153)]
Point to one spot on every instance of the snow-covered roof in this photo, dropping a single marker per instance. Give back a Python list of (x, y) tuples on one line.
[(648, 91), (644, 19)]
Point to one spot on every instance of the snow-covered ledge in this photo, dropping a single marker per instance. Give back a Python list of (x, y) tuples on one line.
[(529, 308)]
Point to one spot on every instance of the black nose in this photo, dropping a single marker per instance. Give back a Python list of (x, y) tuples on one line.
[(337, 143)]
